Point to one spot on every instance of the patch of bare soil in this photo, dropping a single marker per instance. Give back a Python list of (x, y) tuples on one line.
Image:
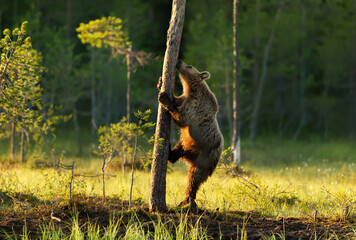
[(225, 225)]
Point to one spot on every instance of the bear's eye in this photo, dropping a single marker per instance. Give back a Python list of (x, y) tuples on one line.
[(189, 66)]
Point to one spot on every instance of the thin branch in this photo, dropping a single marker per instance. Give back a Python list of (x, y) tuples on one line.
[(239, 175), (18, 201)]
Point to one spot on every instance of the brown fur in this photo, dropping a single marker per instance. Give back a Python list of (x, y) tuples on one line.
[(201, 142)]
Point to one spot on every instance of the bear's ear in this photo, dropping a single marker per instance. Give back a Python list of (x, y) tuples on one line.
[(205, 75)]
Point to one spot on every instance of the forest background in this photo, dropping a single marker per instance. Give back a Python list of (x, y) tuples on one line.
[(309, 90)]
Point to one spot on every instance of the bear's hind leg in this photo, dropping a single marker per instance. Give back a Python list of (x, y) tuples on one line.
[(196, 177)]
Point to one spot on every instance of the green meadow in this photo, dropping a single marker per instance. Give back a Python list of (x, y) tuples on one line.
[(313, 181)]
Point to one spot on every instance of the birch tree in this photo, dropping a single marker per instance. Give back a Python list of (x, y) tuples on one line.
[(108, 32), (235, 142), (262, 80)]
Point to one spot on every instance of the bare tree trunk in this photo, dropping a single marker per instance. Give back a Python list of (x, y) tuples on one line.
[(1, 19), (22, 146), (53, 94), (103, 167), (257, 102), (352, 89), (124, 161), (303, 114), (77, 130), (256, 69), (228, 98), (352, 107), (325, 110), (303, 111), (93, 96), (128, 90), (69, 18), (160, 152), (109, 99), (12, 140), (133, 169), (279, 110), (235, 142)]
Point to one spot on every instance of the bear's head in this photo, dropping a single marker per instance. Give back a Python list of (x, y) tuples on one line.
[(190, 74)]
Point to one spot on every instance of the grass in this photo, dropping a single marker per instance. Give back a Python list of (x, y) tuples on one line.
[(295, 180)]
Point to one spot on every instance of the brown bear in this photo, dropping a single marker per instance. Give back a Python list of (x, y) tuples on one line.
[(201, 142)]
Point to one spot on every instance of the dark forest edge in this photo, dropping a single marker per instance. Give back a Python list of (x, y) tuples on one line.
[(310, 79)]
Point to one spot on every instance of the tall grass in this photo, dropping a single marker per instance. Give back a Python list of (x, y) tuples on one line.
[(293, 178), (117, 229)]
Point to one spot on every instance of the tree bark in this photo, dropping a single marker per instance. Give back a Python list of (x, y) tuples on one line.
[(22, 147), (235, 142), (303, 110), (12, 140), (352, 90), (128, 90), (256, 52), (69, 18), (77, 130), (262, 81), (228, 102), (109, 98), (160, 151), (93, 96)]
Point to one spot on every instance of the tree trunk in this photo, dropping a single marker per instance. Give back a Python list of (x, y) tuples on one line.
[(93, 96), (77, 130), (352, 89), (256, 53), (1, 19), (160, 151), (12, 140), (257, 102), (235, 142), (69, 19), (303, 110), (124, 161), (109, 99), (228, 97), (325, 110), (128, 90), (22, 145), (352, 107), (279, 110)]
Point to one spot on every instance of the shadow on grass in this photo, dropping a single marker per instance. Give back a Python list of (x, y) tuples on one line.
[(84, 212)]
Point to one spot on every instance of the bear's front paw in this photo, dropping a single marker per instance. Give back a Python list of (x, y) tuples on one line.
[(163, 98), (172, 161)]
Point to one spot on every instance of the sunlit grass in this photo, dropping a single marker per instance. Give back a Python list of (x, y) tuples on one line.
[(309, 181), (118, 229), (294, 179)]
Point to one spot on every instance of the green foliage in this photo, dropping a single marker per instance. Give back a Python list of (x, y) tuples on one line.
[(104, 32), (119, 138), (310, 76), (21, 100), (20, 72)]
